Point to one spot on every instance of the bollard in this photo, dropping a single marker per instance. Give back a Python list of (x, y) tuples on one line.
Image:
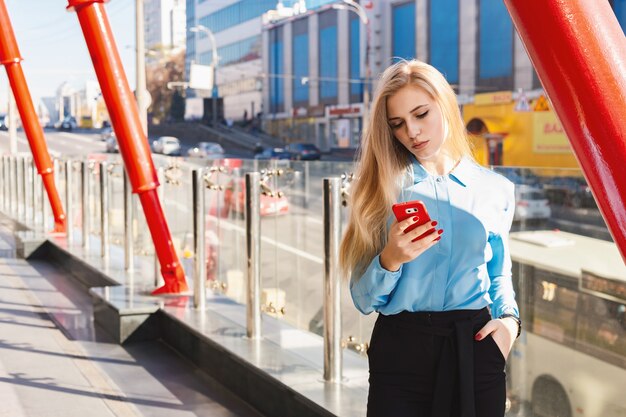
[(69, 207), (104, 211), (84, 183), (332, 281), (253, 252), (199, 242), (129, 242)]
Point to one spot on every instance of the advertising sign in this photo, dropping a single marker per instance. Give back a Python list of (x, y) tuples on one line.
[(548, 134)]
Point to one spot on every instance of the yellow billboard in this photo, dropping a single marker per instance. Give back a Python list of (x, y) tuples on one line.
[(548, 134)]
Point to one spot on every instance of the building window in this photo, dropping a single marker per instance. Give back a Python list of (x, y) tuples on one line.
[(300, 56), (495, 57), (328, 57), (444, 38), (356, 88), (277, 101), (403, 32), (244, 50)]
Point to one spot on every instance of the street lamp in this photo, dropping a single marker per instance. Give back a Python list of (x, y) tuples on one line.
[(214, 61), (355, 7)]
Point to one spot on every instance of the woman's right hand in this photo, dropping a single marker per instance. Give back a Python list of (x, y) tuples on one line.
[(400, 247)]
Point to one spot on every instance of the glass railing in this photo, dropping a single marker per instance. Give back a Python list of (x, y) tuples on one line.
[(569, 277)]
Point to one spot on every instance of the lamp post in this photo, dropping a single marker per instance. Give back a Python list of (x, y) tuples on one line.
[(352, 6), (140, 88), (214, 61)]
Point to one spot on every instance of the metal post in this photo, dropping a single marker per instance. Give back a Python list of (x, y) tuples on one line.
[(253, 252), (199, 228), (104, 211), (19, 191), (2, 182), (33, 191), (129, 241), (84, 173), (26, 187), (332, 281), (13, 180), (158, 278), (69, 207), (45, 209)]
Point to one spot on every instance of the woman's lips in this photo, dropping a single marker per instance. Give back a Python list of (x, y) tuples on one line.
[(419, 145)]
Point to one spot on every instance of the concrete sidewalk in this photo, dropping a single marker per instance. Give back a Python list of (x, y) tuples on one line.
[(55, 362)]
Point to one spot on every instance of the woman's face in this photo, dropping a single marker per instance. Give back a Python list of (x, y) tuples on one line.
[(416, 121)]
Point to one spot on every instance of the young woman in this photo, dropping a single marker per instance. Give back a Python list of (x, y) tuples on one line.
[(447, 313)]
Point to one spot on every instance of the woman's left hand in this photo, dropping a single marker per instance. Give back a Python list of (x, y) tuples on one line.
[(503, 332)]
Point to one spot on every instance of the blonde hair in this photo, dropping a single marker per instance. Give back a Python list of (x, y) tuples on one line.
[(384, 161)]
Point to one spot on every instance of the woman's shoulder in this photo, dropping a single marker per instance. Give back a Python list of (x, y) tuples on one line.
[(490, 177)]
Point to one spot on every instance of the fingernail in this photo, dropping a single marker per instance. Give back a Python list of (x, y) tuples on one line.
[(440, 231), (439, 238), (415, 218), (433, 224), (477, 337)]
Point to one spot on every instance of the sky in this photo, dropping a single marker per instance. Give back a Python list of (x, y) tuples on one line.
[(52, 45)]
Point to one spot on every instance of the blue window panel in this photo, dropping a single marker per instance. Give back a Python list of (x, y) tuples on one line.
[(356, 89), (619, 7), (276, 71), (403, 32), (496, 40), (328, 62), (236, 52), (444, 38), (300, 67)]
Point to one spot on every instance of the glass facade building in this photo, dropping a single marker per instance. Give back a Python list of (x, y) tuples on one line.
[(403, 28), (444, 37)]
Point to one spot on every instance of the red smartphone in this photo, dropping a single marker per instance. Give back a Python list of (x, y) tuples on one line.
[(403, 211)]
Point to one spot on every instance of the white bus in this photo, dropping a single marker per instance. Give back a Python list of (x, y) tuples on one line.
[(571, 358)]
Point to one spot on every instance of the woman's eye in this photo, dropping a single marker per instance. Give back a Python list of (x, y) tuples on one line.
[(421, 116), (395, 126)]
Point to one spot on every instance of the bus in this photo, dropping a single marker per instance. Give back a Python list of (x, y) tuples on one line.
[(570, 360)]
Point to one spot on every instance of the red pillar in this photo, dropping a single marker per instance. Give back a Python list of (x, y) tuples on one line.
[(131, 138), (11, 59), (579, 52)]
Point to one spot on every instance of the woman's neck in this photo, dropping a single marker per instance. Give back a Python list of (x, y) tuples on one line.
[(440, 166)]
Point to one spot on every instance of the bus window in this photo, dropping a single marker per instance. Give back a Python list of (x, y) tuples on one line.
[(554, 308), (602, 329)]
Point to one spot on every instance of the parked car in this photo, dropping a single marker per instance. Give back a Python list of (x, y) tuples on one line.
[(273, 153), (303, 151), (166, 145), (531, 204), (106, 133), (235, 200), (4, 122), (111, 145), (206, 150), (67, 124)]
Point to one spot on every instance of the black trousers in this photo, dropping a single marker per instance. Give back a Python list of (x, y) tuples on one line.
[(429, 365)]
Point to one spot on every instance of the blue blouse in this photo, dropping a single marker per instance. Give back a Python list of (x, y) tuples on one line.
[(470, 267)]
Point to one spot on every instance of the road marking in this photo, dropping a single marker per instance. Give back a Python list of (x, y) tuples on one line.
[(230, 226), (24, 141)]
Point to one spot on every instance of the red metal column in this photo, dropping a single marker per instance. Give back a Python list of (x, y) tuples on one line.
[(132, 140), (579, 51), (11, 59)]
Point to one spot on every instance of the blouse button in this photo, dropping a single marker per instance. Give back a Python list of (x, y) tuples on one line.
[(439, 179)]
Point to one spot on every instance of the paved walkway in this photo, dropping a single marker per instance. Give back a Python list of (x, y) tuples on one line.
[(54, 362)]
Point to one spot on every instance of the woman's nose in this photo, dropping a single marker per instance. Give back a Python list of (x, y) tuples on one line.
[(413, 130)]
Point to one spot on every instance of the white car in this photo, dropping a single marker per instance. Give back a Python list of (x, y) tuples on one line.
[(531, 203), (206, 150), (111, 145), (166, 145)]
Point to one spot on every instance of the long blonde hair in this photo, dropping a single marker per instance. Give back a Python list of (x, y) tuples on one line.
[(384, 161)]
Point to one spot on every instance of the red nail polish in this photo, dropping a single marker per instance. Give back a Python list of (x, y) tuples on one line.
[(440, 231), (433, 224), (415, 218), (477, 337), (439, 238)]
